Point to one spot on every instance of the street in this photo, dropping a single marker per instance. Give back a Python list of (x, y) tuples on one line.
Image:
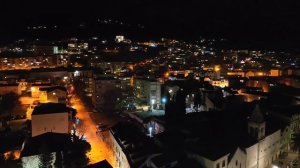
[(99, 150)]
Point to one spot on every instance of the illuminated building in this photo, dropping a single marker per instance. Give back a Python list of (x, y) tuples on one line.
[(247, 74), (220, 83), (275, 72), (43, 49), (119, 39), (55, 94), (148, 92), (51, 117), (31, 60)]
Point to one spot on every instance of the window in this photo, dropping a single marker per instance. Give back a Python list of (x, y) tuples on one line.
[(223, 163), (218, 165), (236, 162)]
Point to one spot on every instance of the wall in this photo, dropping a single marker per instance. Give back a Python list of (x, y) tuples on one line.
[(251, 160), (55, 122), (238, 160), (269, 149), (120, 159), (8, 89), (57, 96), (220, 162)]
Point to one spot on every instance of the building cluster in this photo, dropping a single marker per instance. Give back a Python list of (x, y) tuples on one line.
[(231, 133), (185, 105)]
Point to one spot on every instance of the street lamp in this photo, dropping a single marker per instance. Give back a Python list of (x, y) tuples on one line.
[(150, 131), (152, 103), (164, 100)]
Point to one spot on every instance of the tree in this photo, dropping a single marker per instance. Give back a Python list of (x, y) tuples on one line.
[(46, 160), (46, 157), (111, 100), (10, 102), (77, 156), (79, 88)]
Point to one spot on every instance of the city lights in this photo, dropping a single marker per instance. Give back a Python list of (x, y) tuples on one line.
[(134, 84)]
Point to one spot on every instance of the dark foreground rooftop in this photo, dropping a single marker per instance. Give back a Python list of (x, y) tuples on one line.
[(48, 142), (101, 164), (48, 108)]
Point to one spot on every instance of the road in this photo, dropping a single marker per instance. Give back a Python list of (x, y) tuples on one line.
[(99, 150)]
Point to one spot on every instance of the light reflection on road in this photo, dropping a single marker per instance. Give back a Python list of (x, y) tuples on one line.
[(99, 150)]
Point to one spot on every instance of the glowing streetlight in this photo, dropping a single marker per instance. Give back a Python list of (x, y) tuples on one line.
[(150, 131), (153, 101), (164, 100), (217, 68)]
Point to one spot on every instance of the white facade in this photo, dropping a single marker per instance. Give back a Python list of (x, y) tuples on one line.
[(120, 158), (259, 155), (55, 96), (54, 122), (238, 159), (222, 162)]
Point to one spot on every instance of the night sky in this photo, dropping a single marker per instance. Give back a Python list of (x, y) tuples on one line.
[(265, 22)]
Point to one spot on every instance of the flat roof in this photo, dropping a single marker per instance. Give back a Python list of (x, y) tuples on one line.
[(48, 108)]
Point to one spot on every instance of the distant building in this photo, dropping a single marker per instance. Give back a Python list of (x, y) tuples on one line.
[(43, 49), (148, 92), (220, 83), (8, 88), (134, 149), (291, 72), (51, 117), (55, 94), (259, 83), (119, 39), (106, 94), (275, 72), (249, 73), (35, 88), (251, 94)]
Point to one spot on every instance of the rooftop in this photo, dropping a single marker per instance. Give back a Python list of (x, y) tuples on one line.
[(136, 145), (48, 108), (51, 142), (101, 164), (52, 88)]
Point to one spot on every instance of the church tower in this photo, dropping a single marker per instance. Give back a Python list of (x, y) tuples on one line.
[(257, 124)]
